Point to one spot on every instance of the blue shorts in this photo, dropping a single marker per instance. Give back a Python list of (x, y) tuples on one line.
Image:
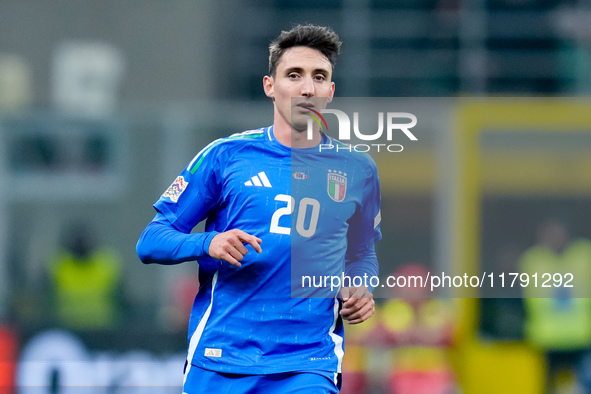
[(201, 380)]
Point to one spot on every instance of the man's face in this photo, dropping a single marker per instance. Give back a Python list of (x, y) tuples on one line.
[(303, 74), (554, 234)]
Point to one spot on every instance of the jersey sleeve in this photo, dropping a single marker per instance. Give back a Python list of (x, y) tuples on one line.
[(365, 225), (195, 192), (364, 230), (371, 209), (161, 243)]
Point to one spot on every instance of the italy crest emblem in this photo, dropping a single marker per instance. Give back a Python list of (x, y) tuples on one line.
[(337, 185)]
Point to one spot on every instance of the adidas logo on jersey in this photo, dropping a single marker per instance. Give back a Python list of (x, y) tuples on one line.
[(259, 180), (209, 352)]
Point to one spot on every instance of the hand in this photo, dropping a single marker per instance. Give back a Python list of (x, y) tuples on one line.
[(358, 304), (229, 246)]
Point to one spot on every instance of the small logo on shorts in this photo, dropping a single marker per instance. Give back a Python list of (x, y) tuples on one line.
[(209, 352)]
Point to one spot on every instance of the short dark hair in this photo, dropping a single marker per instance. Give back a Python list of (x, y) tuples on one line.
[(321, 38)]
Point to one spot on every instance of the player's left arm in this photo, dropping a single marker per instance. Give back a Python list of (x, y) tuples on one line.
[(361, 260)]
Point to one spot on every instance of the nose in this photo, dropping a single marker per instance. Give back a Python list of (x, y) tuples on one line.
[(307, 87)]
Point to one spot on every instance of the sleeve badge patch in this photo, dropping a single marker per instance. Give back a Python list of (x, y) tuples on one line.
[(176, 189)]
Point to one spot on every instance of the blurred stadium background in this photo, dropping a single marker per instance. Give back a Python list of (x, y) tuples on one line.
[(102, 103)]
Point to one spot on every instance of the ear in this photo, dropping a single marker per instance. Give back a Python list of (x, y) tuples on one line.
[(268, 86), (331, 93)]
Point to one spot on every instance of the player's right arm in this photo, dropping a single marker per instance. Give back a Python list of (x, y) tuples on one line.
[(162, 243), (193, 196)]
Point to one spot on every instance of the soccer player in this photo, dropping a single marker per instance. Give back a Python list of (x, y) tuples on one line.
[(275, 206)]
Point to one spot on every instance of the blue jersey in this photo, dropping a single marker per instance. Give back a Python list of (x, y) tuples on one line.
[(313, 211)]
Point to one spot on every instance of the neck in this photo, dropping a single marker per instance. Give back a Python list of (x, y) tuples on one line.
[(288, 136)]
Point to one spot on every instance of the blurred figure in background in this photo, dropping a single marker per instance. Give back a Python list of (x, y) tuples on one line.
[(421, 330), (356, 369), (85, 280), (179, 302), (558, 318), (8, 358), (406, 348)]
